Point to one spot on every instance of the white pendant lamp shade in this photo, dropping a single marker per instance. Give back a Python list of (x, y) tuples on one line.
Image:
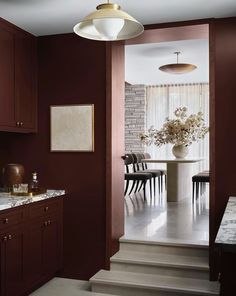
[(108, 23), (108, 28), (177, 68)]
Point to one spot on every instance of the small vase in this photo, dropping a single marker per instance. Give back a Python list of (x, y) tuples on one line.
[(12, 174), (180, 151)]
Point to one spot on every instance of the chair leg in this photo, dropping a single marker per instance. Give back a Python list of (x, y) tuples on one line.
[(154, 185), (161, 180), (136, 188), (144, 190), (134, 182), (197, 190), (140, 186), (126, 186), (193, 191), (150, 184), (159, 184)]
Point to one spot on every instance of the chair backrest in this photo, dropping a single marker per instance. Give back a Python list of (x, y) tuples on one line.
[(135, 163), (144, 164), (129, 160), (139, 164), (147, 156)]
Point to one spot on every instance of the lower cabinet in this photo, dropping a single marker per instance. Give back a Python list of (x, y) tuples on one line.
[(31, 251), (12, 261)]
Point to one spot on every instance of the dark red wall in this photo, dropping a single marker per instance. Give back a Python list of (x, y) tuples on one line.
[(224, 109), (71, 70)]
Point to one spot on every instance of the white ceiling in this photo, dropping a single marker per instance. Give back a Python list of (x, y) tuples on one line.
[(142, 62), (45, 17)]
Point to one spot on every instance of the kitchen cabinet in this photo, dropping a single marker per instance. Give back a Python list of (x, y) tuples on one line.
[(18, 87), (12, 261), (30, 246), (44, 241), (7, 116)]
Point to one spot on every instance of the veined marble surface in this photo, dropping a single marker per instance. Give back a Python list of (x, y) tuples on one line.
[(8, 201), (226, 236)]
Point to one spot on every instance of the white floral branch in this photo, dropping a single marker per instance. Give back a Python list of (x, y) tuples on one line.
[(183, 130)]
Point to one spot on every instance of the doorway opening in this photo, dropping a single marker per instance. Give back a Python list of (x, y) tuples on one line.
[(150, 97)]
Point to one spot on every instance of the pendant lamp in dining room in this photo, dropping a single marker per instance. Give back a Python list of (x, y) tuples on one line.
[(177, 68), (108, 23)]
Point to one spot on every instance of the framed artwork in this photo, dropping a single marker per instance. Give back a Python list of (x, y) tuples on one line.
[(72, 128)]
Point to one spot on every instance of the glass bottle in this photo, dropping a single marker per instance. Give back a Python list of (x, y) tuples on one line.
[(34, 184)]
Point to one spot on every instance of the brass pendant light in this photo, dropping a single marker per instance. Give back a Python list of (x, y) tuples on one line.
[(178, 68), (108, 23)]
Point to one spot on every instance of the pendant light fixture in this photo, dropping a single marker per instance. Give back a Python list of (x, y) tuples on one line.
[(178, 68), (108, 23)]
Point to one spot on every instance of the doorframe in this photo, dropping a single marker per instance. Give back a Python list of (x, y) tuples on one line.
[(112, 76)]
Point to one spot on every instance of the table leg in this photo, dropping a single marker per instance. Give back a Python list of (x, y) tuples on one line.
[(178, 181)]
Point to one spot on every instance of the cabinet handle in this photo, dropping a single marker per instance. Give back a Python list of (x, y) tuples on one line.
[(5, 221), (9, 236), (45, 223), (49, 222), (4, 239), (18, 123), (46, 209), (21, 123)]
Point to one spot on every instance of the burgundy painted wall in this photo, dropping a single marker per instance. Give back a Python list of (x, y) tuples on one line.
[(224, 108), (71, 70)]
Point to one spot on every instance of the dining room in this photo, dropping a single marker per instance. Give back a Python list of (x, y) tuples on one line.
[(167, 131)]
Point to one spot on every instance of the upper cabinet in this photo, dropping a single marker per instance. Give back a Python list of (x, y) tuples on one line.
[(18, 81)]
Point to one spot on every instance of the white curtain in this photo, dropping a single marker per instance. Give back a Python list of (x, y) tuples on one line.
[(162, 100)]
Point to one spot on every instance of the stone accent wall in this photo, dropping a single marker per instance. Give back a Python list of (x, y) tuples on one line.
[(135, 116)]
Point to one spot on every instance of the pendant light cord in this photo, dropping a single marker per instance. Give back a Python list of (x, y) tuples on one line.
[(177, 53)]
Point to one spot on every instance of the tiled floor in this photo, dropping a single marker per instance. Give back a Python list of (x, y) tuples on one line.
[(157, 220)]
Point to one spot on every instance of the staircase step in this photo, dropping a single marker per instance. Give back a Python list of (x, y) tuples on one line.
[(163, 264), (140, 284), (184, 249)]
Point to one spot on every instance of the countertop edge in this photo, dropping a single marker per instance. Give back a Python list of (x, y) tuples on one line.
[(226, 236), (10, 202)]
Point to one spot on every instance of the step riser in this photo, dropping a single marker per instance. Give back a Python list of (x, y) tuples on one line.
[(132, 291), (145, 248), (161, 270)]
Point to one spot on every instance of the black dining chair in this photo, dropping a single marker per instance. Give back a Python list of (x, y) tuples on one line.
[(139, 179), (198, 183), (155, 173), (162, 171)]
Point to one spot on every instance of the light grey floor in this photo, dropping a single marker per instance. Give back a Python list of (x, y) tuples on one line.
[(63, 287), (157, 220), (154, 220)]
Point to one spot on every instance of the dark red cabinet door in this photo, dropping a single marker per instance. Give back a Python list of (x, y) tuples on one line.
[(43, 249), (51, 245), (25, 82), (7, 111), (34, 262), (13, 257)]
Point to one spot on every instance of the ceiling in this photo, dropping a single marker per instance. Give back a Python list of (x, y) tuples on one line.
[(142, 62), (45, 17)]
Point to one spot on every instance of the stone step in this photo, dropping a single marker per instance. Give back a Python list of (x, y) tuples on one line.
[(140, 284), (162, 264), (163, 247)]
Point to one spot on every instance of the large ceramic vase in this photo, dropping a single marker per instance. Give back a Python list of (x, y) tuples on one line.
[(12, 174), (180, 151)]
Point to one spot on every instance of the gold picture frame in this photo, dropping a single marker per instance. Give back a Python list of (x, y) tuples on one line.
[(72, 128)]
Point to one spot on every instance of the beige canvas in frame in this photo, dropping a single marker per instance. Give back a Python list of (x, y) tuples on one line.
[(72, 128)]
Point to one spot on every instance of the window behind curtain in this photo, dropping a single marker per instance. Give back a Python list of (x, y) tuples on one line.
[(162, 100)]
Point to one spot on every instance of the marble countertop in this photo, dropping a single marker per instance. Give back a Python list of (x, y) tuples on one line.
[(8, 201), (226, 236)]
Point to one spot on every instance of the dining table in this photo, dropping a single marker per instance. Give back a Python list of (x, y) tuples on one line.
[(179, 176)]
